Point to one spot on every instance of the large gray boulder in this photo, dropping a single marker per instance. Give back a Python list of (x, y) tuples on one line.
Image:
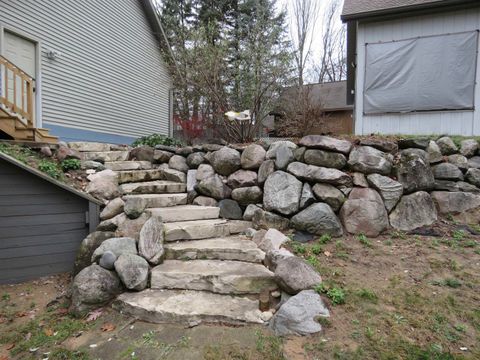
[(329, 194), (473, 176), (326, 143), (162, 156), (284, 156), (318, 219), (389, 189), (273, 257), (229, 209), (252, 157), (248, 195), (364, 213), (307, 198), (151, 239), (462, 204), (214, 187), (93, 287), (103, 185), (459, 161), (293, 275), (204, 171), (447, 146), (242, 178), (130, 227), (225, 161), (194, 160), (282, 193), (299, 153), (380, 144), (414, 211), (133, 271), (178, 162), (446, 185), (118, 246), (418, 143), (299, 314), (87, 247), (113, 208), (141, 153), (412, 152), (447, 171), (434, 153), (134, 207), (414, 173), (265, 220), (272, 240), (325, 158), (272, 150), (368, 160), (314, 173), (267, 168), (474, 162), (205, 201), (468, 147)]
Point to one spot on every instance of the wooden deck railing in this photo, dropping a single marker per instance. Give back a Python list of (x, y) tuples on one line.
[(16, 90)]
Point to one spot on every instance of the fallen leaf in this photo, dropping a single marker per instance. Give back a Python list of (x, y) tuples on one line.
[(107, 327), (48, 332), (10, 346), (94, 315), (327, 253)]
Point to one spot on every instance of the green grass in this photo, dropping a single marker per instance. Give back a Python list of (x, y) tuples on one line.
[(336, 294), (70, 164), (364, 240)]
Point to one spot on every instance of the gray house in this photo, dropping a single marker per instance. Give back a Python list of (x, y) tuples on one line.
[(413, 66), (85, 70)]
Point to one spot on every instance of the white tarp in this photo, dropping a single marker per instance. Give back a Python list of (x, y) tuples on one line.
[(427, 73)]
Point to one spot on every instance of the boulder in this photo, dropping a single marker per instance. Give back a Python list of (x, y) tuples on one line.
[(457, 203), (252, 157), (130, 227), (359, 180), (64, 153), (414, 211), (95, 165), (272, 240), (191, 180), (317, 219), (225, 161), (283, 157), (293, 275), (179, 163), (265, 220), (184, 151), (446, 185), (272, 150), (161, 156), (299, 314), (111, 224), (468, 147), (299, 153), (474, 162), (267, 168), (389, 189), (314, 173), (93, 287), (211, 147), (307, 198), (414, 173), (133, 271), (249, 211), (381, 144), (368, 160), (473, 176), (151, 239), (171, 149), (247, 195), (329, 194), (195, 159), (242, 178), (134, 207), (434, 153), (412, 152), (174, 175), (418, 143), (447, 171), (325, 158), (447, 146), (326, 143), (364, 213), (107, 260), (46, 151), (118, 246), (87, 247), (204, 171), (213, 186), (272, 258), (229, 209), (103, 185), (141, 153), (459, 161), (113, 208), (205, 201), (282, 193)]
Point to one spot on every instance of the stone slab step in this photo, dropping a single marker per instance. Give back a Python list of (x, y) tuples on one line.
[(226, 248), (128, 165), (167, 306), (203, 229), (221, 277), (153, 187), (139, 175), (89, 146), (186, 213), (160, 200), (105, 156)]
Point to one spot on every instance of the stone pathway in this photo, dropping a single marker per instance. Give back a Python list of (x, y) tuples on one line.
[(211, 272)]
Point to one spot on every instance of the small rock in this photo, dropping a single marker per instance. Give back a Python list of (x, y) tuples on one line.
[(107, 260), (118, 246), (242, 178), (360, 180), (46, 151), (162, 156), (474, 162), (459, 161), (191, 180), (249, 211), (272, 240), (317, 219), (329, 194), (247, 195), (389, 189), (265, 220), (299, 153), (133, 271), (141, 153), (204, 171), (179, 163), (205, 201), (302, 237), (307, 198), (272, 258), (93, 165), (284, 156), (64, 152), (195, 159), (87, 247), (473, 176), (229, 209), (113, 208), (134, 207), (293, 275), (184, 151), (434, 153), (250, 232), (447, 146), (267, 168), (468, 147)]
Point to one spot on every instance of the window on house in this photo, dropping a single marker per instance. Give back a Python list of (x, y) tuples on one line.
[(421, 74)]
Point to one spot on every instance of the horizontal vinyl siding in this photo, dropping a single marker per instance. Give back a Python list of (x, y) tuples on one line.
[(41, 226), (438, 122), (110, 76)]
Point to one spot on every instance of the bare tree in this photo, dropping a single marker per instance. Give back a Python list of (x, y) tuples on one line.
[(304, 18), (332, 66)]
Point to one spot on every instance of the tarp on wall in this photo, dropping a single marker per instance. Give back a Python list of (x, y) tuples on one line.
[(426, 73)]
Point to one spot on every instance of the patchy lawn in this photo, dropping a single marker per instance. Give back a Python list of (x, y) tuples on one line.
[(394, 297)]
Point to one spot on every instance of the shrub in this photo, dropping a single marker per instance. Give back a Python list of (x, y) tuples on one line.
[(334, 293), (50, 168), (157, 139), (70, 164)]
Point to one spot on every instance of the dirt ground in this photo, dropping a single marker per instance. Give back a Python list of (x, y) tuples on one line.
[(394, 297)]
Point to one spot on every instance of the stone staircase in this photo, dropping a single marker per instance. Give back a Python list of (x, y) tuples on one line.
[(211, 272)]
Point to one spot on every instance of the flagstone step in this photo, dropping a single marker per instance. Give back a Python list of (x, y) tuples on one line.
[(128, 165), (221, 277), (153, 187), (139, 175), (185, 307), (203, 229), (186, 213), (226, 248), (160, 200), (105, 156)]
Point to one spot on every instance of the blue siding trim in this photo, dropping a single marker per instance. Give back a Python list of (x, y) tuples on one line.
[(71, 134)]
